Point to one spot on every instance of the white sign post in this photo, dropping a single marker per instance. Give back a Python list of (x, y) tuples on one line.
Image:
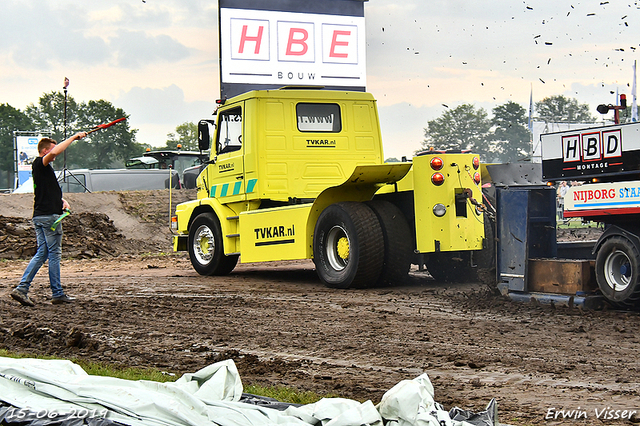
[(26, 148)]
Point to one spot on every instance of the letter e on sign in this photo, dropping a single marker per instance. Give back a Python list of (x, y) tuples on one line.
[(296, 41), (250, 39), (339, 44)]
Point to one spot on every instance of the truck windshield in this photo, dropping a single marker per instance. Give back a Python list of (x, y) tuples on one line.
[(229, 130)]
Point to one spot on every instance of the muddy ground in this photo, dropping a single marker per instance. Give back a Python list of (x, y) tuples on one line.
[(139, 305)]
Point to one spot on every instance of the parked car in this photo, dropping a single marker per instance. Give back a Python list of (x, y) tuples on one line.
[(163, 159)]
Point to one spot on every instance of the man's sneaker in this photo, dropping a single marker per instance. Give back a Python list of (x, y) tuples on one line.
[(22, 297), (62, 299)]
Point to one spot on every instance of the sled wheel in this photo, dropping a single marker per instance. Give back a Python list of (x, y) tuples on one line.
[(205, 247), (398, 243), (617, 263), (348, 247)]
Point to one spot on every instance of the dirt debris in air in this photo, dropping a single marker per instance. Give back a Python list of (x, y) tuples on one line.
[(142, 306)]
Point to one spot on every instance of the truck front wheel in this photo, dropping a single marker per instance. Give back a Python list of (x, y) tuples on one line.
[(206, 249), (617, 274), (348, 246)]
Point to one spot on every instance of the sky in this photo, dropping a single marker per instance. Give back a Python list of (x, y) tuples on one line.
[(158, 60)]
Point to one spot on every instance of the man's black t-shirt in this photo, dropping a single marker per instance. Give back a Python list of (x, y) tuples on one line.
[(47, 192)]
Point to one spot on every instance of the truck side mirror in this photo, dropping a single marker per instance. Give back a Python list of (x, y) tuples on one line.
[(204, 139)]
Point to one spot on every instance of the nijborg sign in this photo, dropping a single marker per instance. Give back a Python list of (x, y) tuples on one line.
[(282, 43), (586, 153)]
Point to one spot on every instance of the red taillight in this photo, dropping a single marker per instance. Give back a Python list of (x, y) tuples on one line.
[(437, 179), (476, 163), (476, 178), (437, 163)]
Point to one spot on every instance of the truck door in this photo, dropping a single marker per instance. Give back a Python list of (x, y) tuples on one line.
[(227, 178)]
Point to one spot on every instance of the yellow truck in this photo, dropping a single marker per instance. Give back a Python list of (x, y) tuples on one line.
[(299, 174)]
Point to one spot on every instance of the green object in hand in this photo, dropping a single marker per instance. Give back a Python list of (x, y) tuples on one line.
[(66, 213)]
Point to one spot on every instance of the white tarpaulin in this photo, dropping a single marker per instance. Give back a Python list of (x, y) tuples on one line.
[(55, 389)]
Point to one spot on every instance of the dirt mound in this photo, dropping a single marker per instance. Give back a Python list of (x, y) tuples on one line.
[(102, 224)]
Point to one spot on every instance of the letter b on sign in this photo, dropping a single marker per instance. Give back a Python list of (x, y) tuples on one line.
[(591, 147), (296, 41)]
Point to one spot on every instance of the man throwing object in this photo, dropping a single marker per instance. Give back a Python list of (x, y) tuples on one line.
[(47, 207)]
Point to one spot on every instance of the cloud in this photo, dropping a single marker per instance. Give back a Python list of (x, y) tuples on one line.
[(157, 112), (166, 105), (135, 49), (36, 36), (402, 126)]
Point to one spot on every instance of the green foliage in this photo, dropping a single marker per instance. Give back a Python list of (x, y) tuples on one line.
[(105, 147), (105, 370), (280, 393), (186, 134), (560, 109), (511, 138), (49, 114), (101, 150), (285, 394), (463, 128), (626, 114), (11, 120), (503, 138)]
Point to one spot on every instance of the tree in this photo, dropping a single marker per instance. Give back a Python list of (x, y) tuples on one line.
[(103, 149), (186, 134), (48, 115), (510, 134), (461, 128), (560, 109), (11, 120)]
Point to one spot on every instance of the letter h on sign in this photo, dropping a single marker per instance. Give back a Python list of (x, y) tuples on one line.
[(571, 148), (250, 39)]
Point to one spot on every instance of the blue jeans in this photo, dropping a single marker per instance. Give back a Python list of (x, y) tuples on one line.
[(49, 247)]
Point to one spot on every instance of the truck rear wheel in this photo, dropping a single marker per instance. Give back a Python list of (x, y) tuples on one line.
[(206, 250), (348, 246), (617, 273), (398, 243)]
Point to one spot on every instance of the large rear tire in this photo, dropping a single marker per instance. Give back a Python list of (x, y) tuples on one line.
[(206, 250), (348, 246), (617, 272), (398, 243)]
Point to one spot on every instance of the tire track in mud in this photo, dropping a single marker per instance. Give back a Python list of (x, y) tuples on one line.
[(282, 327)]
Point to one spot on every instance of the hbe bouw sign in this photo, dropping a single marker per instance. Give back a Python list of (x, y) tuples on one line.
[(270, 44)]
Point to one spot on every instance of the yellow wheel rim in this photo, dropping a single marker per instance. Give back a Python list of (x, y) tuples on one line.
[(343, 248)]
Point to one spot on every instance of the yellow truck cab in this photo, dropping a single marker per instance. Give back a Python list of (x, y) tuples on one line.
[(299, 174)]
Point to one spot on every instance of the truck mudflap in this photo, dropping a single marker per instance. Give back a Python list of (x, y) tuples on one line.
[(180, 242), (363, 183)]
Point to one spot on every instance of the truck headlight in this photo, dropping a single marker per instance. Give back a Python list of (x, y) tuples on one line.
[(439, 210)]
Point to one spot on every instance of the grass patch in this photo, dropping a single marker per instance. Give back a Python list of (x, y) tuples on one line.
[(285, 394), (106, 370), (576, 223), (280, 393)]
